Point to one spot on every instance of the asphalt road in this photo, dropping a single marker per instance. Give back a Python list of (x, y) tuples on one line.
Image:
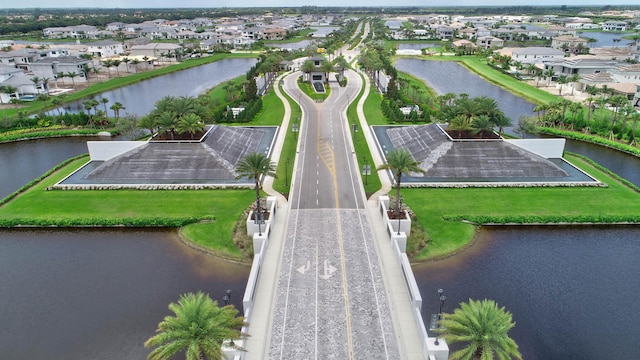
[(331, 302)]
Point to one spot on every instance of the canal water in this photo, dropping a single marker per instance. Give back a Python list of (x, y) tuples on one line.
[(140, 98), (79, 294), (573, 291), (82, 294)]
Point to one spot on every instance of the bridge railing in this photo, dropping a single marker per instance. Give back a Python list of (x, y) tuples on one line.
[(398, 237)]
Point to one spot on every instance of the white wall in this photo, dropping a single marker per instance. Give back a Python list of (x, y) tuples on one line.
[(547, 148), (105, 150)]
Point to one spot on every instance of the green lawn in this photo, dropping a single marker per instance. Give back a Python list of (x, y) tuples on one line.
[(507, 82), (500, 204), (95, 207)]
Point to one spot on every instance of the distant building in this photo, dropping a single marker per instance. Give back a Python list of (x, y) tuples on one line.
[(105, 48), (536, 55), (157, 50), (569, 44), (614, 26), (489, 42)]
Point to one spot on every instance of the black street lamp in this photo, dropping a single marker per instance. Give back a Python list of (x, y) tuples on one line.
[(442, 300), (286, 172), (399, 214), (227, 297), (366, 170)]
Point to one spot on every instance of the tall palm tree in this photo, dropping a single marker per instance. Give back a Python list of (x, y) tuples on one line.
[(36, 83), (561, 80), (72, 75), (484, 327), (116, 107), (166, 122), (400, 161), (574, 78), (549, 73), (199, 328), (255, 166), (104, 102)]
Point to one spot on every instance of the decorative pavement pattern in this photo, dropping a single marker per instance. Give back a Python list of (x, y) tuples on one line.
[(331, 302)]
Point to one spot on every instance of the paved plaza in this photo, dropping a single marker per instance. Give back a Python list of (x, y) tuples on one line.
[(211, 160)]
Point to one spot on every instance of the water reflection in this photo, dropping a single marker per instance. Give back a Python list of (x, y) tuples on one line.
[(448, 76), (139, 98), (572, 290), (78, 294), (23, 161)]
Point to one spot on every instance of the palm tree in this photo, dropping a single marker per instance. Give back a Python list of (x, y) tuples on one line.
[(255, 166), (501, 121), (307, 67), (72, 75), (199, 328), (400, 161), (116, 107), (482, 124), (104, 102), (166, 122), (126, 61), (574, 78), (484, 327), (549, 74), (190, 123), (561, 80), (36, 82), (135, 63)]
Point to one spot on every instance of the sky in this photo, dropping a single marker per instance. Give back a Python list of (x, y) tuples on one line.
[(290, 3)]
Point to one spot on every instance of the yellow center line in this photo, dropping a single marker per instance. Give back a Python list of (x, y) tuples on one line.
[(328, 158)]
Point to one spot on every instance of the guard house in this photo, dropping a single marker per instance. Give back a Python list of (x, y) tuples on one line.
[(317, 75)]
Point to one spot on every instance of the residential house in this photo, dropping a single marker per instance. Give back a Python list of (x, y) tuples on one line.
[(464, 45), (74, 32), (21, 58), (569, 44), (274, 33), (158, 50), (26, 89), (105, 48), (489, 42), (613, 25), (48, 68), (253, 33), (444, 33), (536, 55)]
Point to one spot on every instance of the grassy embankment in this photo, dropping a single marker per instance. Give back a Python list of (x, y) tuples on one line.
[(440, 211), (39, 207)]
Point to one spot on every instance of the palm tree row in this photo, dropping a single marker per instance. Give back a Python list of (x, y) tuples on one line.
[(479, 114), (176, 115)]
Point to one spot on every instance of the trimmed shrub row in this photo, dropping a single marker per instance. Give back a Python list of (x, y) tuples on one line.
[(545, 219), (592, 139), (100, 222)]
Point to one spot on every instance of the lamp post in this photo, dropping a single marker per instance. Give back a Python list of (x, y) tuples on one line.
[(366, 170), (442, 300), (399, 214), (227, 297), (286, 172)]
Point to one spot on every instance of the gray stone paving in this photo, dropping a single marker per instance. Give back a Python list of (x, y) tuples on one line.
[(310, 317), (442, 158), (210, 161)]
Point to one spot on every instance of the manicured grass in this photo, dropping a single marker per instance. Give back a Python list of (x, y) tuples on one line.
[(225, 206), (372, 181), (430, 205), (507, 82), (308, 89), (288, 154)]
